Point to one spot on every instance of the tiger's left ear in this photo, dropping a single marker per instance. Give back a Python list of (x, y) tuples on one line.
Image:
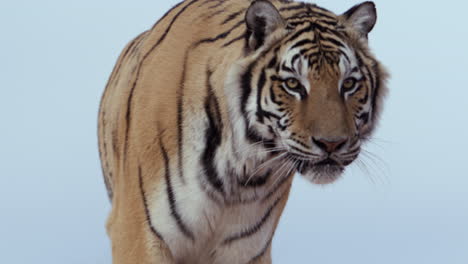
[(262, 18), (361, 18)]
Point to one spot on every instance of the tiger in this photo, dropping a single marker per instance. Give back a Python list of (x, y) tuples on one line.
[(208, 115)]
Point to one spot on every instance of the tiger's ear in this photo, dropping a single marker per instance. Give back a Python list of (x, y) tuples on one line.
[(361, 17), (262, 18)]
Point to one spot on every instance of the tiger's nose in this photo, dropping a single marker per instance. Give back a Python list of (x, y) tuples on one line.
[(328, 145)]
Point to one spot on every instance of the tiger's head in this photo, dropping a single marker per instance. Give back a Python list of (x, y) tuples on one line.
[(308, 85)]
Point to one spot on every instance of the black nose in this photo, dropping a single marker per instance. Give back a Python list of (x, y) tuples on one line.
[(330, 146)]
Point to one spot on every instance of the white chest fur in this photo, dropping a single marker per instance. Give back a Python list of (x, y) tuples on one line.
[(200, 227)]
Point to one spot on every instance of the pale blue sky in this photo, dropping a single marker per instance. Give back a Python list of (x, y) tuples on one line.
[(410, 205)]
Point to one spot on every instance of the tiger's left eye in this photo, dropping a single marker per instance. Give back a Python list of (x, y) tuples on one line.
[(292, 83), (349, 83)]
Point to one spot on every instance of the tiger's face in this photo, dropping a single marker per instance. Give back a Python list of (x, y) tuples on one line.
[(315, 89), (322, 105)]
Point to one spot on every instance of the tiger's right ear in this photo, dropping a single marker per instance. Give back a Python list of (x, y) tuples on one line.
[(262, 18)]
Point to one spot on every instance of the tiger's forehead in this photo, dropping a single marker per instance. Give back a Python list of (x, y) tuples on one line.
[(316, 51), (307, 12)]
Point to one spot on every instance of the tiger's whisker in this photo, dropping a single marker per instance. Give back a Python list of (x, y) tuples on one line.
[(263, 165)]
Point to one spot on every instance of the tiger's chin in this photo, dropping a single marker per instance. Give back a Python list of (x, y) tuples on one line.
[(322, 174)]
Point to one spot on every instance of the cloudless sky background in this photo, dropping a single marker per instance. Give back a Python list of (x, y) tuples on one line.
[(408, 204)]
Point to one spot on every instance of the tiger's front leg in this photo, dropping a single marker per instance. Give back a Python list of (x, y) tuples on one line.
[(131, 244), (132, 237)]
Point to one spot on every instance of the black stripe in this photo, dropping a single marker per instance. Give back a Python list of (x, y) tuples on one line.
[(102, 125), (260, 84), (371, 78), (180, 119), (302, 151), (167, 13), (364, 117), (327, 47), (213, 137), (106, 172), (365, 98), (220, 36), (211, 40), (286, 68), (374, 83), (303, 43), (298, 23), (281, 126), (262, 252), (299, 33), (331, 23), (215, 13), (242, 36), (294, 59), (376, 89), (211, 1), (132, 90), (255, 182), (301, 91), (350, 92), (170, 195), (324, 12), (315, 54), (334, 41), (270, 115), (115, 143), (273, 62), (172, 23), (107, 177), (128, 114), (246, 79), (145, 204), (254, 229), (324, 28), (303, 14), (299, 142), (110, 192), (131, 47), (220, 2), (309, 14), (233, 16), (289, 8), (346, 57)]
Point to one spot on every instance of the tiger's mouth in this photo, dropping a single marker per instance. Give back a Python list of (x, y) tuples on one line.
[(325, 171)]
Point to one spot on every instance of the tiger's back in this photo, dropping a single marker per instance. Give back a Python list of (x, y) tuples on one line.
[(166, 121)]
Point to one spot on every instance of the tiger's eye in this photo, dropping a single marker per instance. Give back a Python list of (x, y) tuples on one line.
[(292, 83), (349, 83)]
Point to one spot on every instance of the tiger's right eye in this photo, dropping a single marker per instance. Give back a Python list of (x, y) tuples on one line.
[(292, 83)]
